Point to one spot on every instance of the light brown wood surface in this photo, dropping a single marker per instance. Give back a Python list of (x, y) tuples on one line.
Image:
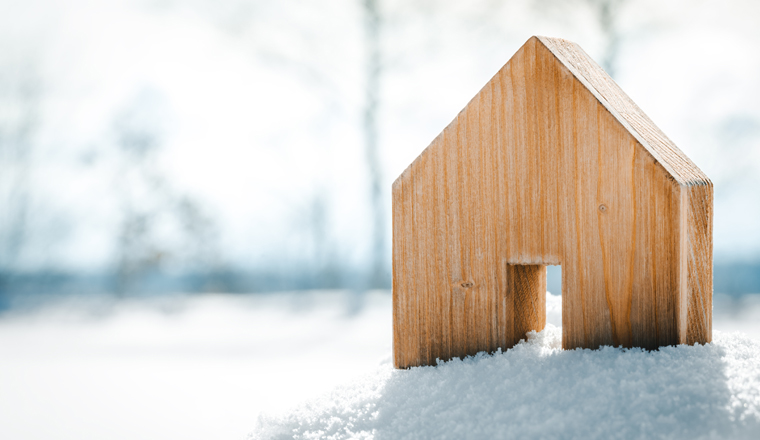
[(550, 163)]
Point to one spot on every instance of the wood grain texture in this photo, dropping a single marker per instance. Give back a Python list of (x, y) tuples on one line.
[(550, 163)]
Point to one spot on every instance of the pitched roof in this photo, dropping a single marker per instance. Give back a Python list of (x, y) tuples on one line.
[(612, 97), (623, 109)]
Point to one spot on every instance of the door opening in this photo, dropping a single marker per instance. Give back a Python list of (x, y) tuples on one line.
[(554, 301)]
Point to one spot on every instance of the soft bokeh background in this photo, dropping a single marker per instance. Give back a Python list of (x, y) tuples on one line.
[(159, 156)]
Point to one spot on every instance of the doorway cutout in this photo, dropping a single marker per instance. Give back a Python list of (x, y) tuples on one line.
[(554, 301)]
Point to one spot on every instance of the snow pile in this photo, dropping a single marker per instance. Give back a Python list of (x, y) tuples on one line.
[(537, 390)]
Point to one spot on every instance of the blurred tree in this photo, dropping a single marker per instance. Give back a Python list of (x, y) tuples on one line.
[(138, 136), (373, 69), (19, 107), (159, 226), (317, 245)]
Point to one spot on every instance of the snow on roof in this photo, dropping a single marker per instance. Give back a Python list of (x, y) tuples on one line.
[(537, 390)]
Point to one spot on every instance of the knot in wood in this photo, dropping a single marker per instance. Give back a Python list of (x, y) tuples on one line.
[(603, 207), (466, 284)]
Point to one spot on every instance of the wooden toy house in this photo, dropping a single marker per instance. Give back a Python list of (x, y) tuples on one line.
[(550, 164)]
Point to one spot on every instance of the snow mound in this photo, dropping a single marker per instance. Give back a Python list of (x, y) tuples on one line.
[(538, 390)]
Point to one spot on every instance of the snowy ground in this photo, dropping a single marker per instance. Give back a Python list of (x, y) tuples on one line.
[(192, 368), (537, 390), (207, 366)]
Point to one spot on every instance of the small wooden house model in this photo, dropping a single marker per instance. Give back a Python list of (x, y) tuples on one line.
[(550, 163)]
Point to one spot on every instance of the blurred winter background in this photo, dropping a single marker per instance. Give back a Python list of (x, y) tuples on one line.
[(160, 158)]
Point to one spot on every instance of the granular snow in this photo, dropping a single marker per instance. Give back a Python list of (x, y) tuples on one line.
[(538, 390)]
